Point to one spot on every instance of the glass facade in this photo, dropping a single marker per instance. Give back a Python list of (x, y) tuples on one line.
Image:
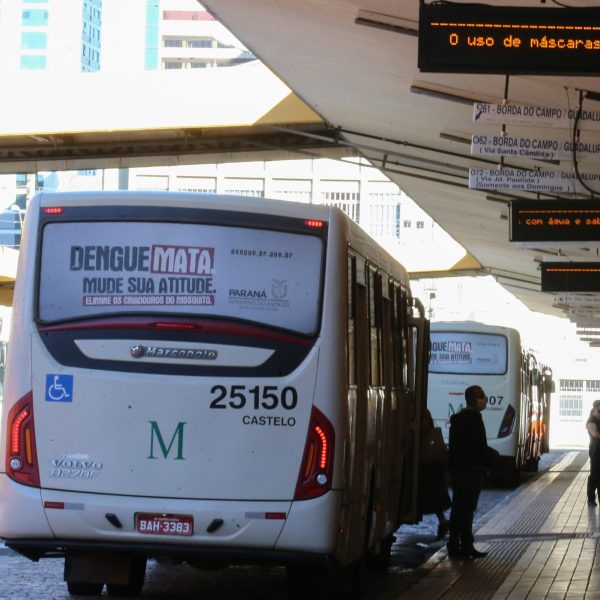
[(152, 19), (90, 35)]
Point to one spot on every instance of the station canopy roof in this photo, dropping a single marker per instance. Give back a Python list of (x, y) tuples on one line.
[(356, 65)]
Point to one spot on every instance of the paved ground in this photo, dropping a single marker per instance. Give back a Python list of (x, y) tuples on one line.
[(415, 544), (415, 559)]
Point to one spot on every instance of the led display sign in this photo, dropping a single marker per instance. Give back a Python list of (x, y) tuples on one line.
[(475, 38), (554, 220), (570, 277)]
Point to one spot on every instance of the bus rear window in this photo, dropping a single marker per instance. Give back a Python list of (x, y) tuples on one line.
[(90, 269), (468, 353)]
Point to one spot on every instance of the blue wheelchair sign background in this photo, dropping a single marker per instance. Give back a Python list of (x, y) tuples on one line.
[(59, 388)]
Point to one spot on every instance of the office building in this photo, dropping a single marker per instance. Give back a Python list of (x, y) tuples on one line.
[(55, 35)]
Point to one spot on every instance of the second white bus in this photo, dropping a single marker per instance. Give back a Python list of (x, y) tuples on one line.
[(215, 379), (517, 386)]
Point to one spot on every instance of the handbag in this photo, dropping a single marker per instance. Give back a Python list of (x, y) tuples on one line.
[(433, 447)]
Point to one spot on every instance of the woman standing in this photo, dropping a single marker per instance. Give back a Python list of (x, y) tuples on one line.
[(434, 489), (593, 427)]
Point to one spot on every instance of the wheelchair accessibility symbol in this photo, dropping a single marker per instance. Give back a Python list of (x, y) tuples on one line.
[(59, 388)]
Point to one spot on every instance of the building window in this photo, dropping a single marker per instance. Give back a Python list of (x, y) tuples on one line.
[(172, 64), (34, 18), (298, 190), (407, 223), (571, 385), (245, 187), (173, 43), (196, 184), (187, 15), (345, 201), (200, 43), (384, 211), (11, 223), (570, 407), (33, 61), (592, 385), (420, 224), (34, 40), (343, 195)]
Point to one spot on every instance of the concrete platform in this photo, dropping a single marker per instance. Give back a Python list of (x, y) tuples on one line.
[(542, 544)]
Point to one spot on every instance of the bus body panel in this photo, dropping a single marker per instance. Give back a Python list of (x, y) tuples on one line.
[(21, 511), (172, 436)]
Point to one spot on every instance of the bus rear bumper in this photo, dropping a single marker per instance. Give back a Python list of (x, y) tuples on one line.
[(43, 522), (21, 511)]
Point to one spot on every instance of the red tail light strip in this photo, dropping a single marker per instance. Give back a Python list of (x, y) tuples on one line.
[(316, 472), (21, 454), (15, 431)]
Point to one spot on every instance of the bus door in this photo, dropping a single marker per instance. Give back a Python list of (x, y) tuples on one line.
[(418, 359), (358, 388), (547, 390)]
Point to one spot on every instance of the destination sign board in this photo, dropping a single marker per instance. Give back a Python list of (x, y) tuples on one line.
[(535, 116), (570, 277), (532, 181), (577, 312), (552, 220), (532, 147), (578, 300), (584, 321), (477, 38)]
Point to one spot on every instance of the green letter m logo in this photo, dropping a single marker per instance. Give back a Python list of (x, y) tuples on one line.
[(155, 433)]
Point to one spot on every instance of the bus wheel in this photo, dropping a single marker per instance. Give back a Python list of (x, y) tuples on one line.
[(78, 588), (133, 587), (78, 573)]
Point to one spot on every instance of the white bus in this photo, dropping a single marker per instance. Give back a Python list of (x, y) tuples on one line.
[(517, 386), (215, 379)]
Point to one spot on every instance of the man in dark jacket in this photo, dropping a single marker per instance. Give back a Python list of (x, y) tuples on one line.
[(469, 457)]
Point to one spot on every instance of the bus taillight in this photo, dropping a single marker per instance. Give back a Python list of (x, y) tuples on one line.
[(314, 223), (21, 457), (508, 422), (316, 471)]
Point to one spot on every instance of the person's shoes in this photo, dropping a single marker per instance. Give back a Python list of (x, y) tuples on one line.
[(592, 502), (442, 530), (473, 553), (454, 552)]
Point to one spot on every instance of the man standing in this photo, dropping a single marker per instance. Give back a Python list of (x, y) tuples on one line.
[(469, 457)]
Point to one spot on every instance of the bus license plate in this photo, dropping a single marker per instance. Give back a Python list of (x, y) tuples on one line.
[(164, 524)]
